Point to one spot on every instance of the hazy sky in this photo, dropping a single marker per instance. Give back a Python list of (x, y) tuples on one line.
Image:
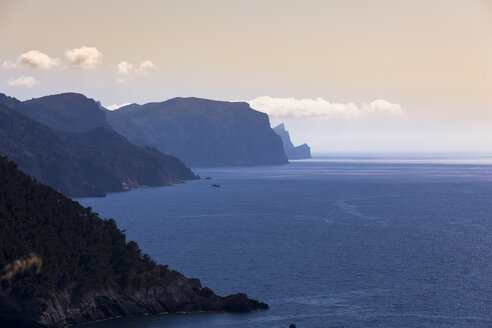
[(343, 75)]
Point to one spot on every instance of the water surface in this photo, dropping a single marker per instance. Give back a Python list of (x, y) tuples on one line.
[(344, 242)]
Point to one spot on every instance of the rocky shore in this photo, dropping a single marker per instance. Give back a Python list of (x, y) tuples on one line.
[(66, 307)]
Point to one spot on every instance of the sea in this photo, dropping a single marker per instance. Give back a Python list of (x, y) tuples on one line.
[(338, 241)]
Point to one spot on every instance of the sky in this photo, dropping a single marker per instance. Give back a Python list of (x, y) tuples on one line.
[(344, 76)]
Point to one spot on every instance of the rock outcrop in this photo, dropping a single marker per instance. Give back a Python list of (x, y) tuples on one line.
[(182, 296), (63, 308), (202, 132), (293, 152)]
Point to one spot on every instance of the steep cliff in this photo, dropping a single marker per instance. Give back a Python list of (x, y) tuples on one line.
[(293, 152), (202, 132), (84, 164), (68, 112), (89, 272)]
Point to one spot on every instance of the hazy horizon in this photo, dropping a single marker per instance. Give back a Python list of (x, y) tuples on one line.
[(352, 76)]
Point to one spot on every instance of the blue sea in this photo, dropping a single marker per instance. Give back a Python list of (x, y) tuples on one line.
[(328, 242)]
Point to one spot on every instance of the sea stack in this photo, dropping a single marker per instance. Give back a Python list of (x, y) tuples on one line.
[(293, 152)]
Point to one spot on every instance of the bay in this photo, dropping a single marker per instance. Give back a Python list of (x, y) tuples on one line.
[(329, 242)]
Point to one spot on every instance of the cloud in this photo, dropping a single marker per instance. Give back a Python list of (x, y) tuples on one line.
[(144, 68), (23, 81), (127, 70), (300, 108), (382, 106), (8, 65), (124, 68), (114, 106), (37, 59), (147, 65), (33, 59), (84, 57)]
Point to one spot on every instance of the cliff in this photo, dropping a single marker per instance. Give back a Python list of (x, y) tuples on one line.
[(89, 272), (202, 132), (83, 164), (293, 152), (68, 112)]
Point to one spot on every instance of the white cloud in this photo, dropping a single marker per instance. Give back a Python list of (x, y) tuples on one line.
[(23, 81), (114, 106), (85, 57), (383, 107), (124, 68), (129, 70), (8, 64), (33, 59), (145, 67), (37, 59), (299, 108)]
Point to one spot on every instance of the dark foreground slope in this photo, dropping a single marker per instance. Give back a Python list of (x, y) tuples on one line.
[(89, 271), (202, 132), (293, 152), (84, 164)]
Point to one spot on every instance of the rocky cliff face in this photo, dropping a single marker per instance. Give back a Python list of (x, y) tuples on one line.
[(88, 163), (181, 296), (66, 307), (293, 152), (202, 132)]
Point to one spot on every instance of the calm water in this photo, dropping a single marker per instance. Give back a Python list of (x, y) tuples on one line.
[(341, 243)]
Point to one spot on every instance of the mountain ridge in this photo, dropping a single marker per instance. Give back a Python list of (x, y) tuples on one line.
[(202, 132), (84, 164), (66, 112)]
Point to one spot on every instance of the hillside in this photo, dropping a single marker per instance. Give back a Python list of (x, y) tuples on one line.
[(202, 132), (69, 112), (89, 271), (84, 164)]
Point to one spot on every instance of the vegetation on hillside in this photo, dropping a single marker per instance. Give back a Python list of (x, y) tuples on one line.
[(79, 250)]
